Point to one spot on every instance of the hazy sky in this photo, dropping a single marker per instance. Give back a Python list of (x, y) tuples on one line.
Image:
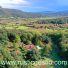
[(36, 5)]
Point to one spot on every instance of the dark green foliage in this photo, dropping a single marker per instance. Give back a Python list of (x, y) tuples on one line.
[(45, 39), (43, 52), (35, 39), (32, 55), (64, 47), (52, 21), (23, 51), (24, 38), (11, 37), (3, 38), (51, 44), (30, 36), (56, 38)]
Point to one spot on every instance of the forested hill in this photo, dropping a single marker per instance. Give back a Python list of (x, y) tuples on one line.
[(55, 13), (5, 12)]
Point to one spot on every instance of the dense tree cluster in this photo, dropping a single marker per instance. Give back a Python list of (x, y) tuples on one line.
[(12, 50), (52, 21)]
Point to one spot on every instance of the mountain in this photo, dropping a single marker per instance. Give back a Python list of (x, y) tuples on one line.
[(59, 13), (5, 12)]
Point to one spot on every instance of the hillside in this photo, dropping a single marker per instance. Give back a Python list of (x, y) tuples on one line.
[(5, 12), (55, 13)]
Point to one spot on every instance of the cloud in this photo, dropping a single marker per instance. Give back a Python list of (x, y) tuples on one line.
[(13, 3)]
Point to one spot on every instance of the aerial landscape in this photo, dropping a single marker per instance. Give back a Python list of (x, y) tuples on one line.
[(33, 34)]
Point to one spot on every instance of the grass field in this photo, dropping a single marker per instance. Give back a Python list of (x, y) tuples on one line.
[(21, 27)]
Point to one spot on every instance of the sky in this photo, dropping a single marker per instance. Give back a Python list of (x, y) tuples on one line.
[(35, 5)]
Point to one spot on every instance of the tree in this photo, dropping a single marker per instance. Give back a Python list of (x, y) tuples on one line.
[(45, 39), (23, 51), (32, 55), (35, 39), (64, 48), (11, 37), (3, 38)]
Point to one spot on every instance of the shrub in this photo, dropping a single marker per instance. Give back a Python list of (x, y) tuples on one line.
[(23, 51), (32, 55), (17, 38), (3, 38), (11, 37), (45, 39), (64, 47), (56, 38), (35, 40), (26, 38)]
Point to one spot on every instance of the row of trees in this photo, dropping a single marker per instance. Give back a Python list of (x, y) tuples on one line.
[(53, 21)]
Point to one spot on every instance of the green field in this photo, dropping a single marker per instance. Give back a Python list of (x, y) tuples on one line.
[(13, 27)]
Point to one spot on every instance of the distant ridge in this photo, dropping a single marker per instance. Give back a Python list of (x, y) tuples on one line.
[(5, 12)]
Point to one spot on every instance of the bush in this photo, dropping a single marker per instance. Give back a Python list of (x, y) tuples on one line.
[(17, 38), (56, 38), (23, 51), (3, 38), (11, 37), (45, 39), (35, 40), (26, 38), (32, 55), (64, 47)]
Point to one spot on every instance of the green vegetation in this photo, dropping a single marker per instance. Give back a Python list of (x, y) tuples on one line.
[(22, 46), (13, 27), (55, 20), (26, 43)]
